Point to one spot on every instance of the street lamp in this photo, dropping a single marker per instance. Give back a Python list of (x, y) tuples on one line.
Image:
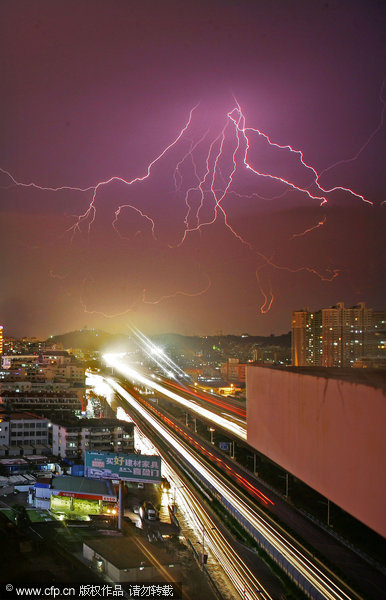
[(179, 487), (212, 430), (204, 556)]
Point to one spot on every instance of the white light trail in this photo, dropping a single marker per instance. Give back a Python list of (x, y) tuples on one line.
[(233, 566), (158, 355), (240, 575), (325, 587), (113, 360)]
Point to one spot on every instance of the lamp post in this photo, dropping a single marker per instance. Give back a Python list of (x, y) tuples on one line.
[(232, 449), (174, 497), (212, 430), (202, 561)]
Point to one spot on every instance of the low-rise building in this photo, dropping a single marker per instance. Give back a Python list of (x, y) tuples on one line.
[(27, 464), (71, 438), (27, 428), (127, 559), (233, 370), (51, 371), (74, 494), (43, 402), (24, 433), (271, 355)]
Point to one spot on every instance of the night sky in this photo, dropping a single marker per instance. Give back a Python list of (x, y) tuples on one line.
[(94, 90)]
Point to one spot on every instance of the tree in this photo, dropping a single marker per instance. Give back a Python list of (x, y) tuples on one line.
[(21, 517)]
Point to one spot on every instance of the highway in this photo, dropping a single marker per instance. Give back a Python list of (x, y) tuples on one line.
[(241, 577), (310, 577), (235, 424), (217, 403), (363, 574)]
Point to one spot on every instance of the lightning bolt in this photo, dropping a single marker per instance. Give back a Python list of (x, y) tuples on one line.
[(90, 214), (100, 313), (302, 233), (241, 127), (224, 155), (367, 141), (117, 214), (268, 300), (140, 298), (178, 293)]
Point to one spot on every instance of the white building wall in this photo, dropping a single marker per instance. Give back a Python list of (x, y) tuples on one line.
[(4, 433)]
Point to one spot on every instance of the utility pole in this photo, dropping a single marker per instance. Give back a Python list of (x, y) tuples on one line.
[(232, 449), (203, 546), (120, 504), (212, 430), (254, 463)]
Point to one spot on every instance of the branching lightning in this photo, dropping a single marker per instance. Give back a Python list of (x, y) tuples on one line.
[(209, 164)]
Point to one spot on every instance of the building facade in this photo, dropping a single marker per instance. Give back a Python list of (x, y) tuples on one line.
[(23, 433), (325, 427), (337, 336), (233, 370), (74, 494), (44, 403), (72, 438), (27, 428)]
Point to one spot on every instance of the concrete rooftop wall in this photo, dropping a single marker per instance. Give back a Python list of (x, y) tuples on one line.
[(327, 432)]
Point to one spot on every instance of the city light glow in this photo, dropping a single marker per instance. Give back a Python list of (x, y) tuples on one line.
[(134, 375)]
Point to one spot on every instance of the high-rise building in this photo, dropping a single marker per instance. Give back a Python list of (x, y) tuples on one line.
[(1, 339), (337, 336), (302, 340)]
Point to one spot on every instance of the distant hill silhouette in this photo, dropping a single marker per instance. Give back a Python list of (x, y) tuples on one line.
[(91, 340)]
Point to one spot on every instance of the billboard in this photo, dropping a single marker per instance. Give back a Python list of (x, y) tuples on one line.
[(224, 446), (128, 467)]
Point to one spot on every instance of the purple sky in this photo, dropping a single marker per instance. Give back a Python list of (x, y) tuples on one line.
[(92, 90)]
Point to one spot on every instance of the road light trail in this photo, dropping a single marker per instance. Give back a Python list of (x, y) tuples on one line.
[(129, 372), (233, 566), (210, 398), (314, 580), (240, 575)]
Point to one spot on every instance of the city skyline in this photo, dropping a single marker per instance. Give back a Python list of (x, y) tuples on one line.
[(181, 130)]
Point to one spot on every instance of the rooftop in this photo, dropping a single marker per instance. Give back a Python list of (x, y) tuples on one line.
[(94, 422), (128, 553), (68, 393), (83, 485), (52, 352), (375, 378), (25, 416)]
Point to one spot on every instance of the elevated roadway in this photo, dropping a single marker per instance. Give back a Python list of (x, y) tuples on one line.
[(355, 568)]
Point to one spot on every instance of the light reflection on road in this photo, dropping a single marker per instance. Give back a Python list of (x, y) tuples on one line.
[(198, 521)]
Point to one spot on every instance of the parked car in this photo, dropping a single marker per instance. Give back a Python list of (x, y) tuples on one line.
[(148, 511)]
